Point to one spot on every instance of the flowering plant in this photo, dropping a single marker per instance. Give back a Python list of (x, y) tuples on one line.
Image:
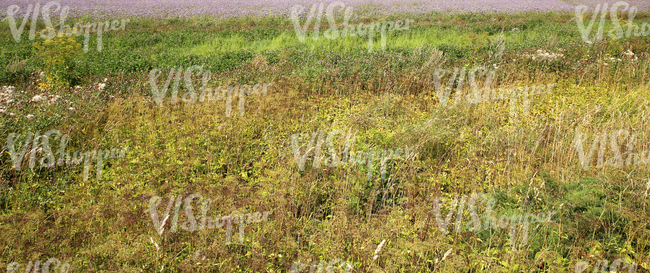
[(58, 59)]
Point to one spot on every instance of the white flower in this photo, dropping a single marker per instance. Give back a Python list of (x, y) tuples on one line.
[(628, 53), (30, 116), (101, 86), (53, 100), (71, 108), (105, 79), (543, 55), (38, 98)]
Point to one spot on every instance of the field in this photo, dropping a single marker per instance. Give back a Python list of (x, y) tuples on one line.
[(226, 136)]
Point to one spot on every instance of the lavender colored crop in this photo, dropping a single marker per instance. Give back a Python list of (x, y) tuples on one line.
[(163, 9)]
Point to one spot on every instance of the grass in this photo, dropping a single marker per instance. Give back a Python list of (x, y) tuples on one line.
[(245, 164)]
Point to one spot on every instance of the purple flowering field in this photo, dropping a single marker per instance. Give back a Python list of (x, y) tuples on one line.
[(229, 8)]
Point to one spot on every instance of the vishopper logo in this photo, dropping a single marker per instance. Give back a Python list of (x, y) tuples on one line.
[(335, 158), (475, 97), (486, 93), (205, 93), (54, 263), (618, 160), (206, 221), (490, 221), (348, 30), (615, 33), (49, 160), (602, 265), (49, 32)]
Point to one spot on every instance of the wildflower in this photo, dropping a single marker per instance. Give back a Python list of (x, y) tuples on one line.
[(38, 98), (54, 99), (543, 55), (6, 96), (30, 116), (101, 86)]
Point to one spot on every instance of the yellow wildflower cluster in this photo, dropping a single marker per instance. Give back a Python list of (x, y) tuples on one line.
[(57, 55)]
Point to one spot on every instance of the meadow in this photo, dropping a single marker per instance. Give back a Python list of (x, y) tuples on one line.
[(487, 184)]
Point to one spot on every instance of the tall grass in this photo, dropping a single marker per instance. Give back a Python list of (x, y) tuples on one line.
[(245, 164)]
